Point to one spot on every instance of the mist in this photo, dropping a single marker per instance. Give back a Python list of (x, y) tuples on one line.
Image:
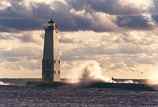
[(86, 72)]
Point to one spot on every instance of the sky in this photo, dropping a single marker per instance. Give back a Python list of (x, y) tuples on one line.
[(119, 36)]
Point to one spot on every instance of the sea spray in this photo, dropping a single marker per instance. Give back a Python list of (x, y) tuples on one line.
[(4, 83), (86, 72), (153, 76)]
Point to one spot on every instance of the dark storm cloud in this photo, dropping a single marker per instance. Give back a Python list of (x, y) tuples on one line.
[(127, 15), (108, 6), (18, 17), (75, 15), (155, 10), (20, 24), (135, 22)]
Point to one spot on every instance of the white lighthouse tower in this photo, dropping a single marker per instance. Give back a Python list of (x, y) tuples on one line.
[(51, 58)]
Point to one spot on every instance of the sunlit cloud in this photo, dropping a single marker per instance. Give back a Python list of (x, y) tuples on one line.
[(144, 5)]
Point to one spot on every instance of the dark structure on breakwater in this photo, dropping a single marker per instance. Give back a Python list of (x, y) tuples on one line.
[(51, 57)]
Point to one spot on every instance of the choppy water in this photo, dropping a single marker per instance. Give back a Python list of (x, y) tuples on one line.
[(75, 97)]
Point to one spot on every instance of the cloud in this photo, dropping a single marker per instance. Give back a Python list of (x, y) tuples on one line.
[(123, 52), (102, 15), (134, 47), (143, 21), (22, 51), (130, 54), (114, 6)]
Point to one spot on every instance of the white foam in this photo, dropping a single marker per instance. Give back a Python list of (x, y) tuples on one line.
[(3, 83)]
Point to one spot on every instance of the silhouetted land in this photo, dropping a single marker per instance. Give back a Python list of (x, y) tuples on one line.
[(93, 95)]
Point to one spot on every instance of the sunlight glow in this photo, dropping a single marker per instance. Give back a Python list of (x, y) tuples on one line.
[(153, 76), (141, 4), (4, 4)]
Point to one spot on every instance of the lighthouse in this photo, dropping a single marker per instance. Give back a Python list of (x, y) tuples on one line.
[(51, 57)]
